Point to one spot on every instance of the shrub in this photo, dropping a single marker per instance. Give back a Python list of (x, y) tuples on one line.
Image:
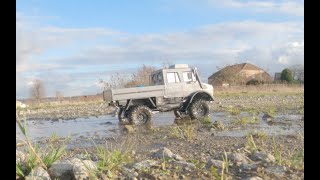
[(286, 75)]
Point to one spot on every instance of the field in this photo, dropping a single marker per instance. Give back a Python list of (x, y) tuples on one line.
[(255, 131)]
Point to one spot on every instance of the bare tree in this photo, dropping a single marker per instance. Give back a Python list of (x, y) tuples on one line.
[(117, 80), (37, 90), (141, 77), (59, 96), (167, 63), (297, 72)]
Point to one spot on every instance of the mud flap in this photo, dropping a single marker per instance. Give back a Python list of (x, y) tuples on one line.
[(121, 116), (116, 111)]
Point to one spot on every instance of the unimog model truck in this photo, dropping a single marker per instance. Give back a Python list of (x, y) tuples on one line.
[(177, 88)]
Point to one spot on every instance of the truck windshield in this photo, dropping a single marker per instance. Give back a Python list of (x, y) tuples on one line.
[(188, 76)]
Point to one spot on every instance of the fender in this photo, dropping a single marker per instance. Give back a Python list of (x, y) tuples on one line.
[(199, 94)]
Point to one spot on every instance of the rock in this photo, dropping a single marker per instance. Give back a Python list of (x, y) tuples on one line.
[(61, 170), (276, 170), (20, 157), (187, 169), (214, 163), (267, 116), (38, 173), (129, 129), (185, 164), (145, 164), (248, 166), (261, 156), (239, 157), (81, 169), (166, 153), (254, 178), (129, 172)]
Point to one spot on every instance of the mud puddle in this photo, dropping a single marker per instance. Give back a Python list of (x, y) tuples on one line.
[(107, 126)]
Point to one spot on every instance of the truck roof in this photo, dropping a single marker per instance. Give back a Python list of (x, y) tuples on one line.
[(175, 66), (178, 66)]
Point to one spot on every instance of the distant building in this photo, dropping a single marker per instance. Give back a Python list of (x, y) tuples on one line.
[(277, 77), (238, 74)]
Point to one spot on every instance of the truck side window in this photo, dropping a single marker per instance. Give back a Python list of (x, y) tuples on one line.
[(188, 76), (172, 77)]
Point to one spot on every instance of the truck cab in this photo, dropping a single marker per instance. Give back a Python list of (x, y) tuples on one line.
[(180, 81)]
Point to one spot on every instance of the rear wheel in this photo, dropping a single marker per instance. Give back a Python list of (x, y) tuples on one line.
[(140, 115), (199, 109)]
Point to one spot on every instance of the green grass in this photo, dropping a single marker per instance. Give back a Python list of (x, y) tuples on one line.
[(259, 134), (250, 144), (245, 120), (277, 151), (53, 154), (199, 165), (226, 162), (19, 170), (234, 111), (218, 125), (110, 160), (186, 132), (296, 159), (206, 121), (214, 172), (301, 110), (241, 121), (270, 111), (35, 156)]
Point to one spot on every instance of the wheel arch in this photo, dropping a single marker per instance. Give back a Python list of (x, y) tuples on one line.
[(149, 102), (197, 95)]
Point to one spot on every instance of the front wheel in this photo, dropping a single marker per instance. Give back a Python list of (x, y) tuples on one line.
[(140, 115), (199, 109)]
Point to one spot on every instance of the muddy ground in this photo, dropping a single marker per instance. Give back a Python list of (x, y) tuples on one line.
[(223, 102), (198, 144)]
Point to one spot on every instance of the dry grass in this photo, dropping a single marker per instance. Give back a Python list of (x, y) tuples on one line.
[(267, 88)]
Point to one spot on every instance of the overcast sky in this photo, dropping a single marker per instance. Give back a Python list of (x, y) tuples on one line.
[(71, 44)]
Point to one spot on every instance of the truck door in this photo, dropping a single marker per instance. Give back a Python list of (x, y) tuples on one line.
[(190, 83), (174, 85)]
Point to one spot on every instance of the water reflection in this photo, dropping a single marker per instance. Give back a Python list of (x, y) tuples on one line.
[(108, 126)]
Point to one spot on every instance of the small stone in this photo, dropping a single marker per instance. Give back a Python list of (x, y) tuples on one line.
[(276, 170), (261, 156), (214, 163), (166, 153), (185, 164), (182, 176), (61, 170), (239, 157), (145, 164), (81, 168), (248, 167), (20, 157), (38, 173), (130, 173), (129, 129), (254, 178)]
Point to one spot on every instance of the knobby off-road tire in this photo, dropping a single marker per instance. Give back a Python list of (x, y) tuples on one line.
[(140, 115), (199, 109)]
